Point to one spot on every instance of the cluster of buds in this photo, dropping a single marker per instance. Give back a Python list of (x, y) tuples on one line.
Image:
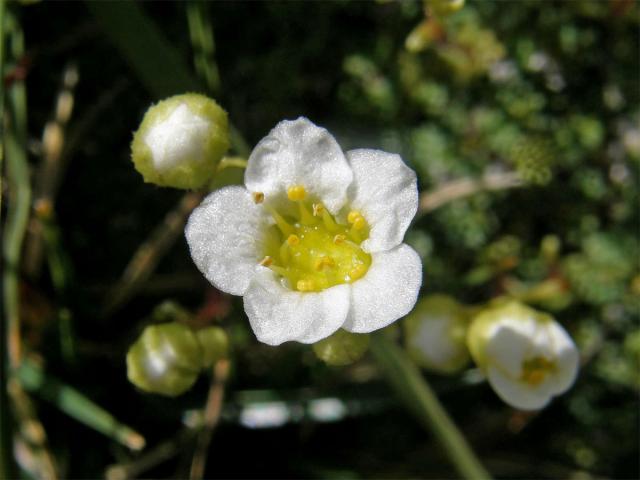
[(168, 357)]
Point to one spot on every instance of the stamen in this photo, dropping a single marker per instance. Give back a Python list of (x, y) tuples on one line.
[(339, 239), (293, 240), (359, 223), (285, 253), (305, 285), (356, 219), (282, 224), (318, 209), (266, 261), (305, 216), (358, 272), (258, 197), (296, 193), (353, 215), (329, 222), (354, 233)]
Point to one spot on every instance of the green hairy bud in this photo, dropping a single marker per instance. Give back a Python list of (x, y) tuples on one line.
[(342, 348), (180, 141)]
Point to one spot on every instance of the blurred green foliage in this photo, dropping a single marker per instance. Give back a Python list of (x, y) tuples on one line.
[(546, 89)]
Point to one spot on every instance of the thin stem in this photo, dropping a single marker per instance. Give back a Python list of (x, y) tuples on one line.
[(212, 412), (5, 432), (466, 187), (149, 254), (412, 388), (237, 162), (151, 457)]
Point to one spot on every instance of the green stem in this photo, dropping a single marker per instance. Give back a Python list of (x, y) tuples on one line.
[(412, 388), (5, 432), (14, 145)]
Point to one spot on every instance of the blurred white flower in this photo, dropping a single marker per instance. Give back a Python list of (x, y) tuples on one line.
[(435, 334), (526, 355), (314, 241)]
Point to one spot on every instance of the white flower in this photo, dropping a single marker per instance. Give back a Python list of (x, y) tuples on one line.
[(527, 356), (435, 334), (314, 241)]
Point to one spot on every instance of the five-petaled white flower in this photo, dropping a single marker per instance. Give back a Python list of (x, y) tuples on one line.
[(527, 356), (314, 241)]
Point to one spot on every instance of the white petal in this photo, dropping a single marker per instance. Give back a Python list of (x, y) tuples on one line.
[(278, 314), (224, 235), (387, 292), (515, 393), (508, 346), (567, 359), (385, 191), (433, 340), (300, 153), (179, 138)]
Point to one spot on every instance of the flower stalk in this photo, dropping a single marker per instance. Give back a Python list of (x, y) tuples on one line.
[(418, 396)]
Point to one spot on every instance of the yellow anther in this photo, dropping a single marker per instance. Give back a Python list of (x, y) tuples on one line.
[(258, 197), (318, 208), (266, 261), (353, 216), (359, 223), (358, 272), (305, 285), (296, 193), (324, 262), (293, 240)]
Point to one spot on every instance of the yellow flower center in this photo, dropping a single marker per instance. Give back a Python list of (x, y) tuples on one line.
[(534, 370), (310, 249)]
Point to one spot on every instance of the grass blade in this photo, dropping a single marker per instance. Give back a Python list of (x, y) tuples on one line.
[(77, 405)]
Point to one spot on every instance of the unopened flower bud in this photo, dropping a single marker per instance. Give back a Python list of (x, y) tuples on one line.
[(526, 355), (180, 141), (214, 344), (165, 359), (435, 334), (443, 8), (342, 348)]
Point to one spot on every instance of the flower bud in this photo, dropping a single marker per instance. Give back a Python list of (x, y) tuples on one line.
[(342, 348), (435, 334), (526, 355), (165, 359), (180, 141), (443, 8), (214, 344)]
